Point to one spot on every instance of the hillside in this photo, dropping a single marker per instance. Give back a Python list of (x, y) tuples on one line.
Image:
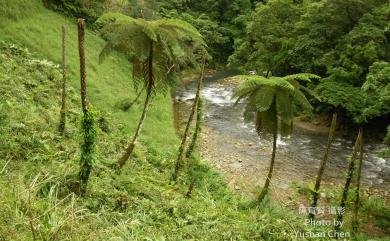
[(37, 165)]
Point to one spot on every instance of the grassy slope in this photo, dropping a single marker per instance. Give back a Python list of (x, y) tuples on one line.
[(138, 203), (110, 82)]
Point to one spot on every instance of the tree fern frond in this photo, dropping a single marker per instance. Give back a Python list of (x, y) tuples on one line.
[(183, 29), (147, 28), (273, 81), (311, 92), (264, 97), (174, 44), (249, 112), (283, 106), (245, 89), (286, 127), (114, 18), (301, 99), (301, 76), (267, 121)]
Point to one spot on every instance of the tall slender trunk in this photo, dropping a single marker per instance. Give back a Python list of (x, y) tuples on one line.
[(198, 128), (87, 148), (130, 148), (264, 191), (129, 104), (323, 164), (83, 75), (178, 163), (149, 88), (355, 221), (350, 171), (61, 127), (191, 147)]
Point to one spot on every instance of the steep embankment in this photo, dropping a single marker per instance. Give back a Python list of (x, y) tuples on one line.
[(36, 164), (29, 24)]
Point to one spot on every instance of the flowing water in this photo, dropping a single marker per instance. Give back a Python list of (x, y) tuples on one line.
[(233, 145)]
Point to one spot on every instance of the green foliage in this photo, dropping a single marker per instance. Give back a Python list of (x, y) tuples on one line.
[(171, 42), (89, 10), (386, 153), (360, 40), (148, 10), (387, 139), (346, 42), (271, 100), (344, 96), (377, 88), (88, 145), (219, 21), (268, 39)]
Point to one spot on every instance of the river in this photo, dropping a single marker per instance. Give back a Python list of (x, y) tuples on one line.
[(232, 146)]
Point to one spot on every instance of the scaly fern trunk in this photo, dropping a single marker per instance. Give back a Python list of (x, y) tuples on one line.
[(62, 124), (149, 88), (198, 128), (264, 191), (178, 163), (191, 147), (83, 75), (323, 164), (355, 221), (88, 131), (131, 146), (350, 171)]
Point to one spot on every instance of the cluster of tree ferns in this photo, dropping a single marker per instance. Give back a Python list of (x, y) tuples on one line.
[(157, 50), (346, 42)]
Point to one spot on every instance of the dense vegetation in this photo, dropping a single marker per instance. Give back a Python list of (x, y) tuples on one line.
[(39, 166), (344, 42)]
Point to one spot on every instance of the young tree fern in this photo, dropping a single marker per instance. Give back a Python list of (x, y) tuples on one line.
[(271, 100), (158, 50), (179, 160)]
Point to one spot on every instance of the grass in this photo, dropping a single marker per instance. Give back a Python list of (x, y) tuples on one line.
[(37, 165)]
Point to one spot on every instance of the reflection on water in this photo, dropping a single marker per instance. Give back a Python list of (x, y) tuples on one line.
[(302, 151)]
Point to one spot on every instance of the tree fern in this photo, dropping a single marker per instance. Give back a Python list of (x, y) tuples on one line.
[(158, 51), (175, 43), (262, 92), (270, 99)]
